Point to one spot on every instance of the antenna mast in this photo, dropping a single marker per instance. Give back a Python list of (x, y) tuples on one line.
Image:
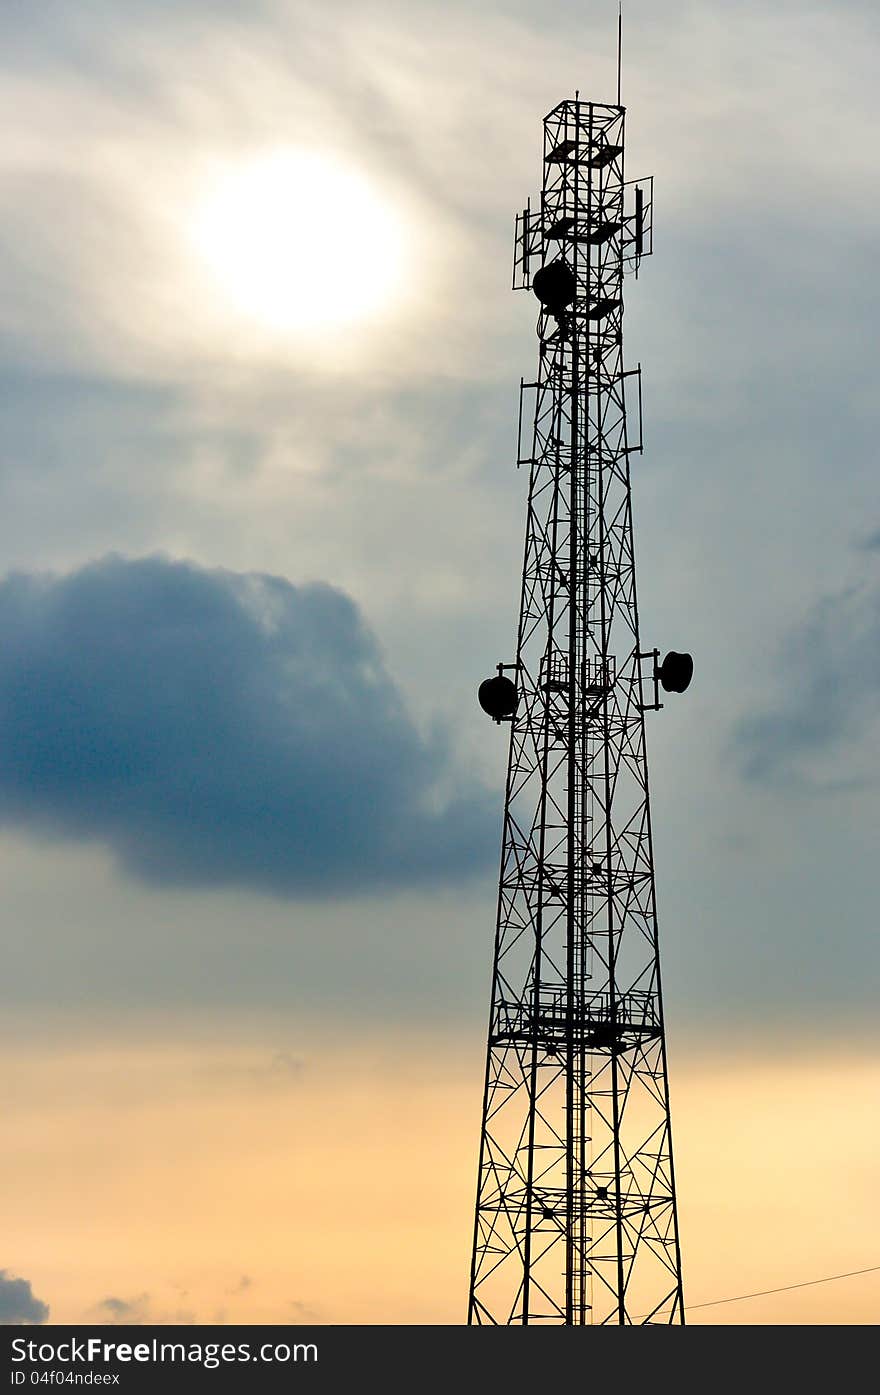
[(576, 1210)]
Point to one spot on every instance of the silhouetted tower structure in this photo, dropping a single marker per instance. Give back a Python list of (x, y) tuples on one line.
[(576, 1210)]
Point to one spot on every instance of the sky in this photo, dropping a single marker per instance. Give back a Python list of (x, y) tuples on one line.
[(260, 540)]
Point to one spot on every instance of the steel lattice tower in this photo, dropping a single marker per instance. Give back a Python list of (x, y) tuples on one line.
[(576, 1211)]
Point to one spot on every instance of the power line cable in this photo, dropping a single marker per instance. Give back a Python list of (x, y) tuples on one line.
[(784, 1288)]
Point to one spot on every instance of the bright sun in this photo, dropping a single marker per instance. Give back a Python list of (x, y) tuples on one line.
[(299, 242)]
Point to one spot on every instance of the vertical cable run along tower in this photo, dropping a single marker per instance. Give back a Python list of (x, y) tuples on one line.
[(576, 1212)]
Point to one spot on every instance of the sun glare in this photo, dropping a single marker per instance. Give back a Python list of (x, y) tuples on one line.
[(298, 242)]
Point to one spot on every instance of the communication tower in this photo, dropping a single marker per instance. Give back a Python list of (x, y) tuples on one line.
[(576, 1212)]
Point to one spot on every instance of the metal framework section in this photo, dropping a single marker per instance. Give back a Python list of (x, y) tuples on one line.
[(576, 1212)]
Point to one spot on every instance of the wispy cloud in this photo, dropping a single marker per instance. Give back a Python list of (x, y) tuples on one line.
[(829, 674), (139, 1310), (123, 1310)]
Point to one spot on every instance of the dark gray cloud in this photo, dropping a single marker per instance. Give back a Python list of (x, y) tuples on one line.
[(214, 727), (17, 1302), (830, 674)]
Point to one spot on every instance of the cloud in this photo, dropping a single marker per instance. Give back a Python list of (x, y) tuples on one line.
[(281, 1069), (137, 1311), (303, 1312), (125, 1309), (221, 728), (17, 1302), (830, 670)]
